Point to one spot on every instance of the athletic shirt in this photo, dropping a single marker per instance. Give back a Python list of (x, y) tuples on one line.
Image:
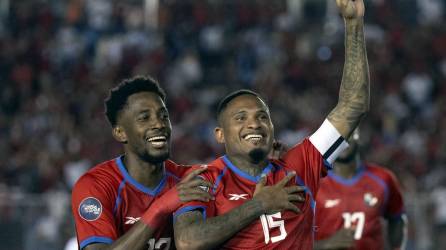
[(107, 202), (286, 229), (359, 202)]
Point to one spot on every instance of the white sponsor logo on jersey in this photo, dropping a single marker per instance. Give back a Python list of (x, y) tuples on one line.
[(332, 203), (236, 197), (131, 220)]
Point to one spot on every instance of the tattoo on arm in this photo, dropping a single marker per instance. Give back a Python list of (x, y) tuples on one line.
[(192, 232), (354, 92)]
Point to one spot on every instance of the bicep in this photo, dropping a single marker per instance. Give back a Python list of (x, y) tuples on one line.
[(182, 221)]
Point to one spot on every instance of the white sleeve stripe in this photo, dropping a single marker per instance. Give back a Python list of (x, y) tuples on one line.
[(328, 141)]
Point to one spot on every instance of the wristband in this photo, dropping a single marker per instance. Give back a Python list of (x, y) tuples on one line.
[(161, 209)]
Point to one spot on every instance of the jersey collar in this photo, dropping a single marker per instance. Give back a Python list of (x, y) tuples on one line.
[(348, 181), (137, 185), (245, 175)]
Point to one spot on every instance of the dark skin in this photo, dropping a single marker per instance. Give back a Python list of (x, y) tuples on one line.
[(143, 118), (247, 115), (347, 167)]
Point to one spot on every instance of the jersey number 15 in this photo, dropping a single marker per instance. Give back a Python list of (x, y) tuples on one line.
[(268, 223)]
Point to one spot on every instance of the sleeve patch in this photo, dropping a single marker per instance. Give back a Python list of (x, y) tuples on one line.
[(90, 209)]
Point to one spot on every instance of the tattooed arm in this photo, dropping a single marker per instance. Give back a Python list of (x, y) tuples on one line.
[(194, 232), (354, 93)]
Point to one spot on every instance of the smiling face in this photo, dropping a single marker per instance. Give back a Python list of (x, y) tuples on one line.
[(144, 127), (246, 128)]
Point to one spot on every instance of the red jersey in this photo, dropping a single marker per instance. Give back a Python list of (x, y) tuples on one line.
[(283, 230), (107, 201), (360, 202)]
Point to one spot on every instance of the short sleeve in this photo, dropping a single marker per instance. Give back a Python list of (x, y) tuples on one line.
[(93, 213), (395, 204), (308, 164), (313, 156)]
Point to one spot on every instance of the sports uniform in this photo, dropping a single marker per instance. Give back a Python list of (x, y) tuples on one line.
[(359, 202), (283, 230), (107, 201)]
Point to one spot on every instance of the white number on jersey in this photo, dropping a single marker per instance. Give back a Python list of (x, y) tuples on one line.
[(358, 218), (162, 243), (268, 222)]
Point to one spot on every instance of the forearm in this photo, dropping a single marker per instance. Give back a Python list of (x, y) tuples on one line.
[(354, 92), (397, 231), (191, 232), (135, 238)]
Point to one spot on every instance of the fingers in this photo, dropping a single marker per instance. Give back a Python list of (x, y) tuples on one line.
[(286, 179), (275, 154), (194, 173), (342, 3), (197, 182), (293, 208), (262, 181), (196, 195), (296, 197), (294, 189)]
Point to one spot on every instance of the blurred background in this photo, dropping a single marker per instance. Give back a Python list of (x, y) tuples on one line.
[(58, 58)]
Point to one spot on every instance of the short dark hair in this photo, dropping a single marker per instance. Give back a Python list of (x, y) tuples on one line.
[(227, 99), (118, 95)]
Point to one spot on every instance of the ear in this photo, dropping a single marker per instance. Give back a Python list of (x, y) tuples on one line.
[(119, 134), (219, 135)]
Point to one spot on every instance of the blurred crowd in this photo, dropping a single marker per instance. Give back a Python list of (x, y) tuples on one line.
[(58, 60)]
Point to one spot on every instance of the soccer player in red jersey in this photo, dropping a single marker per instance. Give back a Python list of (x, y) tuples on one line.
[(353, 199), (127, 202), (243, 216)]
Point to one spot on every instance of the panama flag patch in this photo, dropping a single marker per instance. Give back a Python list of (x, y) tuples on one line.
[(90, 209)]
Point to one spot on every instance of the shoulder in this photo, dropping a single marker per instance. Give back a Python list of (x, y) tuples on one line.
[(176, 169), (104, 176), (383, 173), (213, 170)]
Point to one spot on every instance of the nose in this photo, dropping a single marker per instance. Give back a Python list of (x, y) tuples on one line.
[(157, 123), (253, 123)]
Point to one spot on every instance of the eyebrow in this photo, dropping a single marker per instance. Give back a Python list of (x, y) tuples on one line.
[(260, 110)]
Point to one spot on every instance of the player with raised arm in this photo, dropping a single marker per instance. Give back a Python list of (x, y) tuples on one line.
[(352, 199), (243, 215), (127, 202)]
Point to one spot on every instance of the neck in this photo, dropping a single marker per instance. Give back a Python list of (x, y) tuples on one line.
[(346, 170), (247, 166), (146, 173)]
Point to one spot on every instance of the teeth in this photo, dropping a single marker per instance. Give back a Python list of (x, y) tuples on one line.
[(156, 138), (253, 137), (158, 143)]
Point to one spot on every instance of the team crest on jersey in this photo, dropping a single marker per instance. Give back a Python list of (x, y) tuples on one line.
[(370, 200), (90, 209)]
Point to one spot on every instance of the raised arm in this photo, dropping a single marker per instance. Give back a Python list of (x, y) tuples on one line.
[(193, 232), (354, 92)]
